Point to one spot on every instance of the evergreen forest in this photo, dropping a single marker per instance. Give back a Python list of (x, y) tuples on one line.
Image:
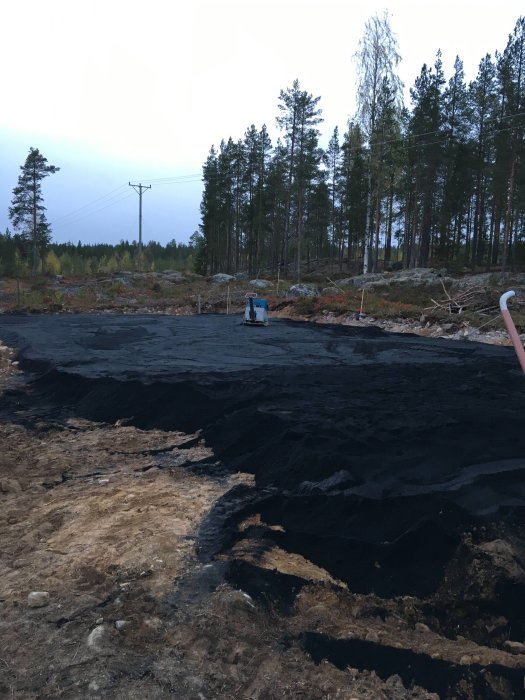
[(438, 183), (87, 259)]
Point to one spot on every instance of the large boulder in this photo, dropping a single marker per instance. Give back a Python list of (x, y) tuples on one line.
[(303, 290), (490, 280), (260, 284), (122, 278), (222, 278), (361, 280), (173, 276), (345, 282), (411, 278), (330, 291), (419, 275)]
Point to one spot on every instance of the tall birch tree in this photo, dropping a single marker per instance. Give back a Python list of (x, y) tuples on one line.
[(377, 59)]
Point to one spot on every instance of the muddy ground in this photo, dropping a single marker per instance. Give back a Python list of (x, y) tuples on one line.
[(298, 511)]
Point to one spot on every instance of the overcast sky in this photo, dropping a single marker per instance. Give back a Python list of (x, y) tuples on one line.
[(113, 91)]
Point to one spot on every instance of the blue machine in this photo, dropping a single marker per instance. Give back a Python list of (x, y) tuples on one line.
[(256, 311)]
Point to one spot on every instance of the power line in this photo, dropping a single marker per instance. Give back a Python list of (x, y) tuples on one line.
[(115, 196), (93, 203), (61, 222), (175, 179)]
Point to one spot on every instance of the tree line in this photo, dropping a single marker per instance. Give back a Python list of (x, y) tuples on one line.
[(439, 183), (30, 249), (16, 256)]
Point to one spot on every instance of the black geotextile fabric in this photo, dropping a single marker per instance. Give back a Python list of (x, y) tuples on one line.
[(374, 451)]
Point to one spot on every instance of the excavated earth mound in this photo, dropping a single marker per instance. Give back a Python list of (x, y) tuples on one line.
[(388, 469)]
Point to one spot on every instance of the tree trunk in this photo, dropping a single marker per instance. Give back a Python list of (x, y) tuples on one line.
[(35, 230), (508, 213), (388, 238)]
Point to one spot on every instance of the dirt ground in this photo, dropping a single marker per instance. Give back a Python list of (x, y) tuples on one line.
[(109, 521), (88, 517)]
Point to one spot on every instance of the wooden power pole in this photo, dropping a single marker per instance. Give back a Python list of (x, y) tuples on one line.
[(140, 189)]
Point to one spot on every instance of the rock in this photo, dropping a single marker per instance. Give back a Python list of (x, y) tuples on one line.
[(330, 291), (395, 682), (222, 278), (20, 563), (413, 277), (320, 611), (303, 290), (362, 280), (260, 284), (240, 276), (236, 601), (372, 636), (421, 627), (465, 660), (483, 280), (38, 599), (499, 548), (121, 624), (503, 556), (154, 623), (96, 637), (122, 279), (514, 647), (10, 486), (173, 276)]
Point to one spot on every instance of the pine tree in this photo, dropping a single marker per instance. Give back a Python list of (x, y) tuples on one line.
[(276, 194), (230, 190), (258, 148), (27, 210), (333, 165), (355, 192), (483, 102), (426, 147), (456, 168), (511, 68), (265, 154), (209, 226), (385, 164), (299, 117)]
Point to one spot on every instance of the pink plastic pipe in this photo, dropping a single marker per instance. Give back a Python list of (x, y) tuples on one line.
[(511, 328)]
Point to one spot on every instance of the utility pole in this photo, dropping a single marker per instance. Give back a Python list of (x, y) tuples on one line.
[(140, 189)]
